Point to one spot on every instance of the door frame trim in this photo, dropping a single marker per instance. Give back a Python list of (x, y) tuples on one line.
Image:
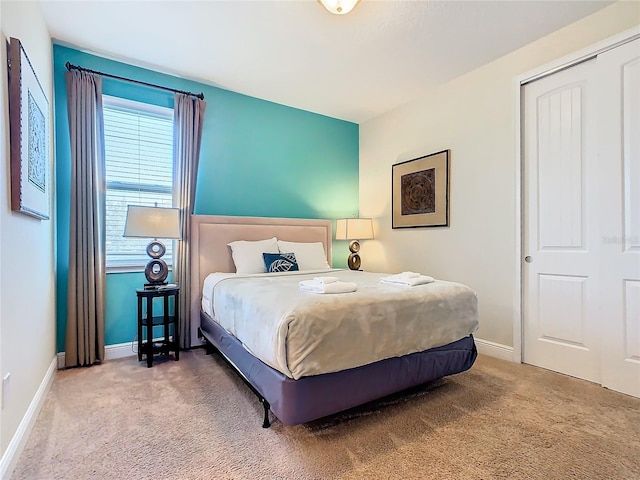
[(518, 83)]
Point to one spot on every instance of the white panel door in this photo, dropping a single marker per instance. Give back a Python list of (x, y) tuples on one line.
[(619, 80), (561, 238)]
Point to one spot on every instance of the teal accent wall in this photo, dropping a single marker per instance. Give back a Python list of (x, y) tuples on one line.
[(257, 158)]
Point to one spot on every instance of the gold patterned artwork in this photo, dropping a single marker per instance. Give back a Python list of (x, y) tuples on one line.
[(420, 191)]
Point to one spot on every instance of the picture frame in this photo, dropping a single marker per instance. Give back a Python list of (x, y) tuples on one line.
[(420, 191), (29, 136)]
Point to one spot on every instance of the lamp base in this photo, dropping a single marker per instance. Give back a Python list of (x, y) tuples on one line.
[(157, 269), (354, 261)]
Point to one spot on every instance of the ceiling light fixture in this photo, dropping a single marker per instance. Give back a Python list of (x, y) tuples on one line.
[(339, 7)]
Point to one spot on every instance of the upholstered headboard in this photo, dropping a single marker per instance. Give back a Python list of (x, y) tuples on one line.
[(210, 235)]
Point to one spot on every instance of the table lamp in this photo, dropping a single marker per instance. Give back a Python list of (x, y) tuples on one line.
[(354, 229), (153, 222)]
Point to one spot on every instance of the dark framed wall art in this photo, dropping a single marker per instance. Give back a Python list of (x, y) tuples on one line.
[(420, 191), (29, 136)]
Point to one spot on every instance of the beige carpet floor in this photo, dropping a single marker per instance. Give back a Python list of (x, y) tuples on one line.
[(194, 419)]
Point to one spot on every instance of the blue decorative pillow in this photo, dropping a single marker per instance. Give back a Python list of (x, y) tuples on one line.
[(280, 262)]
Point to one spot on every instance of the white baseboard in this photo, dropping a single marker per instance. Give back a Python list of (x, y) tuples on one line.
[(111, 352), (496, 350), (11, 455), (119, 350)]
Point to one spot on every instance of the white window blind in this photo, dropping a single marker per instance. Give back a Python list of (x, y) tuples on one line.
[(139, 171)]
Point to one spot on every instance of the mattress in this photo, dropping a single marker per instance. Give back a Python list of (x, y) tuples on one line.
[(301, 334)]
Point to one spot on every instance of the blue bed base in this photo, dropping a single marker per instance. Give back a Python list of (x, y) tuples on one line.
[(309, 398)]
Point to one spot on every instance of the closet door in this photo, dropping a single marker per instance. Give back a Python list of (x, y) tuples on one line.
[(562, 237), (582, 220), (619, 173)]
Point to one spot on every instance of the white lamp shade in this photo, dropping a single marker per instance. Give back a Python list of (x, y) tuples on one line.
[(339, 7), (152, 222), (354, 229)]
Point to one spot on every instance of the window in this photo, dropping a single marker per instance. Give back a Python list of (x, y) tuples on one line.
[(139, 171)]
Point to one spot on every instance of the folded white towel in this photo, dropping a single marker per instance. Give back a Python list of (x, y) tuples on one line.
[(311, 286), (402, 277), (410, 282), (325, 280), (410, 274)]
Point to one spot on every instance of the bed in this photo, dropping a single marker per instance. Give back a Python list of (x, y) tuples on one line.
[(310, 391)]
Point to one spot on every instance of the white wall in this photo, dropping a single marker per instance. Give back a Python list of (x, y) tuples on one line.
[(27, 290), (474, 116)]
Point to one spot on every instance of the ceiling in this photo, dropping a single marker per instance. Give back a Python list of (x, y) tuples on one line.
[(353, 67)]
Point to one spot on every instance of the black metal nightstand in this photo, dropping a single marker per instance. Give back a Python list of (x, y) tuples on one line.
[(148, 320)]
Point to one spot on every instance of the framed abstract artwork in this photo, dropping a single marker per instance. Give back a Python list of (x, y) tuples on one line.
[(29, 136), (420, 191)]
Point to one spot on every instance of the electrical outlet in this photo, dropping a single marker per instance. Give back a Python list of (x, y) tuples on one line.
[(6, 389)]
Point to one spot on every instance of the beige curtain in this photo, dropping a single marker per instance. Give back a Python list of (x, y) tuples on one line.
[(86, 296), (188, 117)]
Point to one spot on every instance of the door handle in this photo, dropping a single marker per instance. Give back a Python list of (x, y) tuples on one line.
[(528, 259)]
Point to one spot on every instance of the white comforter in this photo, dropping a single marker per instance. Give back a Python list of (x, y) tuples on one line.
[(301, 334)]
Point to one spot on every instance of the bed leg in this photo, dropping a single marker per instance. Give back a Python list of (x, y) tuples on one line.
[(266, 423), (211, 348)]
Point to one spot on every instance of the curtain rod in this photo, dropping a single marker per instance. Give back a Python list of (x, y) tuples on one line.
[(82, 69)]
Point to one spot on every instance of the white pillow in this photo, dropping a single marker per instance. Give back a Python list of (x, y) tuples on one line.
[(310, 256), (247, 255)]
